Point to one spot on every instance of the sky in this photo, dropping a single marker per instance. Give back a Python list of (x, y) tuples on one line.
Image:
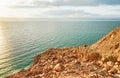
[(60, 9)]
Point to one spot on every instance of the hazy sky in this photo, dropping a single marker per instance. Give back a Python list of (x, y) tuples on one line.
[(60, 8)]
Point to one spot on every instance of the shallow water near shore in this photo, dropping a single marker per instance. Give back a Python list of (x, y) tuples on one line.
[(21, 41)]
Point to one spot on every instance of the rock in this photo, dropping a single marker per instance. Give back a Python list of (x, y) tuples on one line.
[(58, 67), (110, 63), (116, 46), (113, 71), (92, 76), (116, 76), (103, 72), (93, 56), (100, 63), (85, 45), (106, 66), (116, 63), (116, 66), (118, 72), (118, 59), (112, 58), (103, 59)]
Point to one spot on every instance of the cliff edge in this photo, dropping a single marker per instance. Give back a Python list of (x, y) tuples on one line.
[(100, 60)]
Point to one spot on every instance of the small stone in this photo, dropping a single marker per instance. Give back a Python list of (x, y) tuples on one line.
[(110, 63), (116, 63), (113, 71), (58, 67), (106, 66), (85, 45), (116, 66), (104, 69), (118, 59), (118, 71), (117, 76), (93, 56), (103, 72), (84, 59), (100, 63), (103, 59), (92, 76)]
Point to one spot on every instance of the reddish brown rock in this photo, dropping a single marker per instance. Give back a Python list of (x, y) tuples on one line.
[(110, 63), (118, 59), (59, 67)]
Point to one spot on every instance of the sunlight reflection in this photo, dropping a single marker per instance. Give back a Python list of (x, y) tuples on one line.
[(4, 63), (1, 35), (1, 39)]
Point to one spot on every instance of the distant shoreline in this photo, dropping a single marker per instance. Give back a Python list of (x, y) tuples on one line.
[(56, 19)]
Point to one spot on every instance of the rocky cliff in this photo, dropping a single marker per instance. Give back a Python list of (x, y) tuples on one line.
[(100, 60)]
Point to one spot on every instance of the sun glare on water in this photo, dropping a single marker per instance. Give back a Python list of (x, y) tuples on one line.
[(3, 55), (1, 36)]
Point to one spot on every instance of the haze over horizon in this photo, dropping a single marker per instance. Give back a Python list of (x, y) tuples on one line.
[(82, 9)]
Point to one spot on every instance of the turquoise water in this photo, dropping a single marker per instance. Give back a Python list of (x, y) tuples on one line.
[(21, 41)]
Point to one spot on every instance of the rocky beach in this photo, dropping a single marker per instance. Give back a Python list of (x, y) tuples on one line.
[(100, 60)]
